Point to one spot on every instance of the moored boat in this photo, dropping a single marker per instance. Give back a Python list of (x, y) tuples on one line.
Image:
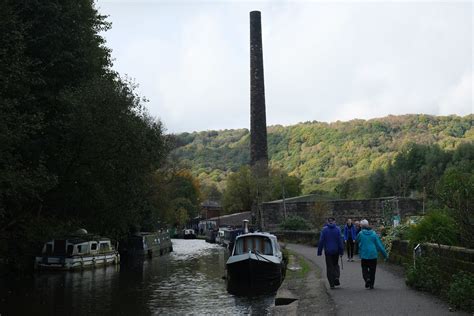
[(256, 265), (189, 234), (146, 244), (229, 237), (220, 237), (78, 251), (211, 236)]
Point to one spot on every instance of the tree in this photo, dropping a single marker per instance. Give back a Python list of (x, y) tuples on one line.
[(240, 192), (77, 147), (243, 188), (377, 184), (211, 192), (456, 191), (173, 191), (282, 183), (181, 217)]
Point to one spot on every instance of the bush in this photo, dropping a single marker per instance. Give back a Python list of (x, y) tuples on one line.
[(425, 275), (390, 233), (295, 223), (461, 291), (436, 227)]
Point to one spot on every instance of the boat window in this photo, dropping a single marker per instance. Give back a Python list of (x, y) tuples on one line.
[(94, 246), (267, 248), (277, 246), (253, 243), (82, 248), (104, 246)]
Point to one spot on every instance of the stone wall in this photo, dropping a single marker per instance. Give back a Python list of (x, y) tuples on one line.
[(452, 259), (298, 237), (401, 252), (376, 211)]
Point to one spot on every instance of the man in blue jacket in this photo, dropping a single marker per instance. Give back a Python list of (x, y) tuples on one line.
[(330, 240), (369, 246)]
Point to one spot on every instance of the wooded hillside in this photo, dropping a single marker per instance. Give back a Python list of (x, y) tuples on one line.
[(323, 155)]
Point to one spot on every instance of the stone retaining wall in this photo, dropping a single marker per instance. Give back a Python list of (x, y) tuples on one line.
[(452, 259), (374, 210), (298, 237)]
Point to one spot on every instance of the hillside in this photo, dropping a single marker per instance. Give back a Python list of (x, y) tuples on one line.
[(321, 154)]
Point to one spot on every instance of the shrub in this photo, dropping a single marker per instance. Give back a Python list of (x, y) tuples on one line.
[(425, 275), (461, 291), (436, 227), (390, 233), (295, 223)]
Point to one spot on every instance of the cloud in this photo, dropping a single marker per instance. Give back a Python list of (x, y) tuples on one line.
[(323, 61), (458, 99)]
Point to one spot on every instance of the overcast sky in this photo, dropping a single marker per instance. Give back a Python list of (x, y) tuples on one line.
[(323, 61)]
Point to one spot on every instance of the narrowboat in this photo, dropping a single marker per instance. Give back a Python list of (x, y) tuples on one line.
[(229, 237), (220, 237), (189, 234), (256, 265), (146, 244), (78, 251), (211, 236)]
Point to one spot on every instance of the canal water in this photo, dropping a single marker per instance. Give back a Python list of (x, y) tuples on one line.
[(187, 281)]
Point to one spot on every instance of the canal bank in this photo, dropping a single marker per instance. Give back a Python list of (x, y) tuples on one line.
[(303, 292)]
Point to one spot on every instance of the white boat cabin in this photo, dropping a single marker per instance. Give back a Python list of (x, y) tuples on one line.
[(189, 231), (72, 247), (261, 243)]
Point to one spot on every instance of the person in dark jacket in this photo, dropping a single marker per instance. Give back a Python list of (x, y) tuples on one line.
[(331, 241), (369, 247), (358, 229), (350, 235)]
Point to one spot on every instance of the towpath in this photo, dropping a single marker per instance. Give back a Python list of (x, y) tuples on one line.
[(391, 296)]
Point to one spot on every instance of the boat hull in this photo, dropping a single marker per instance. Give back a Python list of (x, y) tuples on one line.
[(76, 262), (253, 276)]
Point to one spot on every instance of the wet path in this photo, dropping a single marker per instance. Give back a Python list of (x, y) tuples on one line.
[(391, 296)]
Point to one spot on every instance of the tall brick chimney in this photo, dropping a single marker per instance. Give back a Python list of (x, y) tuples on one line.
[(258, 121)]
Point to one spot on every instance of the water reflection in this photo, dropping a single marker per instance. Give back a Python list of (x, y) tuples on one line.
[(188, 281)]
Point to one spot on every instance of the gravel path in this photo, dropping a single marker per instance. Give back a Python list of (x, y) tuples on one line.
[(390, 297)]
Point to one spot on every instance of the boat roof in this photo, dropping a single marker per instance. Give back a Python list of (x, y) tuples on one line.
[(259, 234), (141, 234), (74, 239)]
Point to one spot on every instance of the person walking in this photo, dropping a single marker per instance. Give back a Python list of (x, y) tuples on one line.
[(358, 229), (369, 246), (330, 240), (350, 235)]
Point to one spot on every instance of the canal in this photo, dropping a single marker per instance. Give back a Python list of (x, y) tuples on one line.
[(187, 281)]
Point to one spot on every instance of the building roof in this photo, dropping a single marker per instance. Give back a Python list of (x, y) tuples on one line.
[(235, 219), (211, 203)]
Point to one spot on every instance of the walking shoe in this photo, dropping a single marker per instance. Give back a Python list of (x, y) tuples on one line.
[(371, 286), (367, 283), (331, 287), (348, 259), (336, 282)]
